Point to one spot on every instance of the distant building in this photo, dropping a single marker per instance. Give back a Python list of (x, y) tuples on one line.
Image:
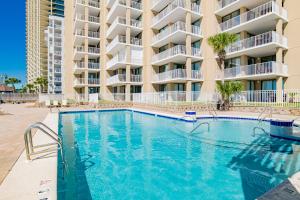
[(2, 79), (4, 89)]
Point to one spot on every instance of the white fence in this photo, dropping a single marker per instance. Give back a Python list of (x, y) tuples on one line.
[(286, 98)]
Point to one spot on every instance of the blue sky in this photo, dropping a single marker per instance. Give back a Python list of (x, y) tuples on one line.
[(12, 46)]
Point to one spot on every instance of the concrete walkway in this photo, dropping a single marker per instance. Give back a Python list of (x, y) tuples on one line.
[(12, 127)]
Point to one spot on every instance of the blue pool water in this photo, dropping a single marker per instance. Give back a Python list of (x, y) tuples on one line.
[(129, 155)]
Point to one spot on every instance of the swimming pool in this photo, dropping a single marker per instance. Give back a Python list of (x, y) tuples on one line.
[(131, 155)]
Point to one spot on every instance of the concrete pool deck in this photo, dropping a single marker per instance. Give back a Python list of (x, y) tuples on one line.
[(26, 179)]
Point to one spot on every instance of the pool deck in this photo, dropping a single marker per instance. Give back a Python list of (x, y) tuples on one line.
[(26, 179)]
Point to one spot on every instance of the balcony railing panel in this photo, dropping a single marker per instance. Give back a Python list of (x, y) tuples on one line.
[(265, 68), (170, 75), (176, 50), (258, 40), (253, 14)]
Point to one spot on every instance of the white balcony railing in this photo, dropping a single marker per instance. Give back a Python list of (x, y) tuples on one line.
[(170, 75), (121, 20), (94, 34), (178, 26), (94, 19), (176, 50), (136, 23), (253, 14), (197, 75), (266, 68), (136, 5), (116, 40), (196, 52), (224, 3), (93, 65), (80, 32), (116, 79), (136, 78), (79, 81), (94, 50), (79, 65), (256, 41), (93, 81), (120, 57), (95, 4), (175, 4), (80, 17)]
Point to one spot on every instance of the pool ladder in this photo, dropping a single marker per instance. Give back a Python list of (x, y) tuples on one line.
[(261, 116), (200, 124), (211, 111), (48, 148)]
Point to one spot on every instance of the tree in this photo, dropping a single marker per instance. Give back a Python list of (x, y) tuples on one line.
[(227, 89), (29, 88), (12, 81), (41, 82), (219, 43)]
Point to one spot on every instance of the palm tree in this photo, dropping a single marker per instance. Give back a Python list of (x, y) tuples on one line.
[(41, 82), (29, 88), (12, 81), (227, 89), (219, 43)]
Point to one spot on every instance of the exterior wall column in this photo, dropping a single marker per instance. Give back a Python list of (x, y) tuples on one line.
[(279, 54), (104, 91), (188, 45), (86, 57), (128, 52)]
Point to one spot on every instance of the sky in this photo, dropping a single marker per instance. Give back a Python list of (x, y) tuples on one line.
[(12, 39)]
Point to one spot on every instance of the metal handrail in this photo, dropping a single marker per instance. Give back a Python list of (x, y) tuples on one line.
[(212, 111), (259, 128), (260, 116), (207, 123), (30, 148)]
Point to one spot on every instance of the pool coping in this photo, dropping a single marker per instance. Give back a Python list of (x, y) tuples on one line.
[(8, 187), (33, 179)]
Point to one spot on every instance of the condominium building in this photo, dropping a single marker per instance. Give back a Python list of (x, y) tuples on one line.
[(37, 22), (55, 42), (124, 48)]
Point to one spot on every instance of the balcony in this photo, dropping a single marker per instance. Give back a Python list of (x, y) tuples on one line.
[(158, 5), (196, 75), (267, 70), (259, 19), (120, 60), (175, 76), (118, 27), (93, 66), (176, 54), (116, 44), (79, 67), (226, 7), (57, 79), (176, 11), (80, 19), (119, 9), (93, 81), (257, 46), (136, 79), (176, 33), (119, 42), (79, 82), (57, 89), (117, 80), (117, 61)]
